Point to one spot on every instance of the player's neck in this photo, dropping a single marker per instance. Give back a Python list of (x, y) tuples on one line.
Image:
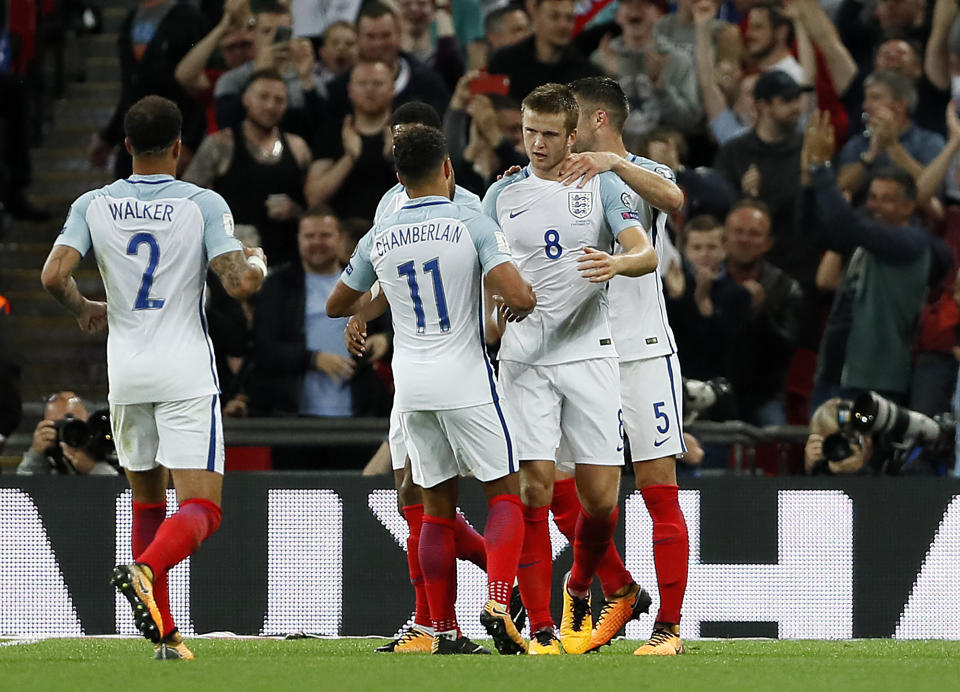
[(437, 188), (611, 142), (151, 166), (552, 173)]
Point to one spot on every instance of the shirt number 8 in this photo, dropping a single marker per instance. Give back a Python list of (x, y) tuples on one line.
[(553, 248)]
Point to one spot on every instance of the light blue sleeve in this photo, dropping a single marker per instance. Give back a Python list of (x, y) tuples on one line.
[(467, 199), (75, 232), (613, 195), (660, 169), (489, 204), (359, 273), (218, 237), (490, 242)]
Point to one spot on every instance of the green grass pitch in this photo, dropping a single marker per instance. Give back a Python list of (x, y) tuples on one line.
[(349, 664)]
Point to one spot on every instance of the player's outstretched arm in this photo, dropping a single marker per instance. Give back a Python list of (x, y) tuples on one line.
[(241, 272), (638, 258), (57, 278), (343, 300), (655, 189), (512, 293)]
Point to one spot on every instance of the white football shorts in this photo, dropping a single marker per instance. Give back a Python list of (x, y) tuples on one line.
[(398, 450), (455, 442), (186, 434), (652, 394), (579, 401)]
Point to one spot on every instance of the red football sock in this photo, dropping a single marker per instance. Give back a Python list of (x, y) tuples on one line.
[(470, 544), (594, 535), (611, 572), (671, 548), (535, 571), (438, 560), (180, 535), (147, 518), (504, 538), (414, 516)]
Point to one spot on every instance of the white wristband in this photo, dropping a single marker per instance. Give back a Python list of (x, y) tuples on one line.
[(374, 290), (258, 263)]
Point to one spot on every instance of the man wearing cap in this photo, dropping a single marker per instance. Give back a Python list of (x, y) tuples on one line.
[(764, 164)]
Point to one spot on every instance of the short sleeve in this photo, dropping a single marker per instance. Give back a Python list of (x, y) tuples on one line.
[(490, 242), (615, 196), (385, 202), (75, 232), (467, 199), (489, 204), (359, 273), (218, 237)]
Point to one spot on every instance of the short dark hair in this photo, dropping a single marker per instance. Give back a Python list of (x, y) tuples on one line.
[(906, 182), (318, 210), (418, 152), (272, 8), (416, 113), (269, 73), (554, 99), (778, 18), (374, 9), (152, 125), (604, 94), (703, 222), (750, 203), (492, 22)]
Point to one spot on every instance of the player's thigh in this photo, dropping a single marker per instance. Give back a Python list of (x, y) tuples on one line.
[(529, 391), (652, 410), (149, 486), (481, 442), (590, 420), (135, 436), (191, 434), (431, 457)]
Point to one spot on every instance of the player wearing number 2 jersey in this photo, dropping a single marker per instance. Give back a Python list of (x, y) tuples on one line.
[(559, 367), (153, 238), (430, 259)]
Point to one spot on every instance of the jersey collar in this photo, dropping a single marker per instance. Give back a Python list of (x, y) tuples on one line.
[(428, 201), (150, 179)]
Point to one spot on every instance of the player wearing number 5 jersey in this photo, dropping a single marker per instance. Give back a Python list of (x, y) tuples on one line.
[(430, 259), (153, 238), (560, 366)]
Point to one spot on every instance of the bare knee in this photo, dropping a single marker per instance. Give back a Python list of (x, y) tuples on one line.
[(655, 472), (536, 483), (598, 488)]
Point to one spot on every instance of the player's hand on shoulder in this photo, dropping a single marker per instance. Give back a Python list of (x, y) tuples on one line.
[(337, 367), (585, 166), (510, 171), (93, 317), (597, 266), (355, 336)]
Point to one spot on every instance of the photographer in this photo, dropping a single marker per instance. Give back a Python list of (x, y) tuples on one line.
[(50, 453)]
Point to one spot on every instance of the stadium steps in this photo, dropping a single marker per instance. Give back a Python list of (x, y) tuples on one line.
[(52, 351)]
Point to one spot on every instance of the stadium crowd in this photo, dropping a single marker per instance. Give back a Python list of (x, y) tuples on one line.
[(799, 274)]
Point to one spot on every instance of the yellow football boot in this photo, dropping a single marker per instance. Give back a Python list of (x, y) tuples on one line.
[(135, 582), (665, 641), (576, 625), (172, 648), (617, 612), (544, 642), (413, 641), (499, 625)]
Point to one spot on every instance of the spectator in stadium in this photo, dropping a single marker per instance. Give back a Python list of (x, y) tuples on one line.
[(897, 55), (767, 340), (15, 168), (862, 30), (764, 164), (378, 40), (891, 137), (504, 26), (295, 61), (258, 168), (427, 33), (680, 30), (313, 18), (49, 454), (769, 35), (546, 56), (708, 307), (338, 52), (869, 333), (659, 80), (302, 363), (353, 163), (153, 39)]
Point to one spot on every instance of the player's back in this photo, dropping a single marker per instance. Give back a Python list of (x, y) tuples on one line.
[(638, 313), (394, 198), (548, 225), (148, 235), (427, 259)]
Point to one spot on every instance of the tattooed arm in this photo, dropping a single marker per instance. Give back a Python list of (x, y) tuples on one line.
[(57, 278), (211, 160), (240, 278)]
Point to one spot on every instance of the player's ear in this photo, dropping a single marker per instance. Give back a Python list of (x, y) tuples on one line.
[(177, 149), (447, 169), (127, 145), (399, 179)]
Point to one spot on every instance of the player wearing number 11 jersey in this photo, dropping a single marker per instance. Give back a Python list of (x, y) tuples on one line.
[(559, 367), (153, 238)]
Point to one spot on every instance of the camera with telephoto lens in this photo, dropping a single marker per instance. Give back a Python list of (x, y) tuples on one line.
[(905, 430), (711, 399), (94, 436)]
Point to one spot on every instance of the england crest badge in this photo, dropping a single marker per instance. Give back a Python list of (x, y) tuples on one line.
[(580, 203)]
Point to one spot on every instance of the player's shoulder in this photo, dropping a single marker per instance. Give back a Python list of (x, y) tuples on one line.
[(506, 181), (466, 198), (663, 170)]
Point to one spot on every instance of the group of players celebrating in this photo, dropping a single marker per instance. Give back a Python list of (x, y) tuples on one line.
[(560, 260)]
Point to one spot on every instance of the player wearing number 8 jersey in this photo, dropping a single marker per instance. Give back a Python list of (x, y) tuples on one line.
[(430, 259), (153, 238), (560, 366)]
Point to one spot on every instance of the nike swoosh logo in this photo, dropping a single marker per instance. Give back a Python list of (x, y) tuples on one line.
[(661, 442), (661, 540), (517, 213), (529, 564)]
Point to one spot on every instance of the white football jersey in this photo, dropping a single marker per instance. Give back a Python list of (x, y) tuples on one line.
[(548, 225), (152, 237), (638, 314), (430, 258), (396, 197)]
